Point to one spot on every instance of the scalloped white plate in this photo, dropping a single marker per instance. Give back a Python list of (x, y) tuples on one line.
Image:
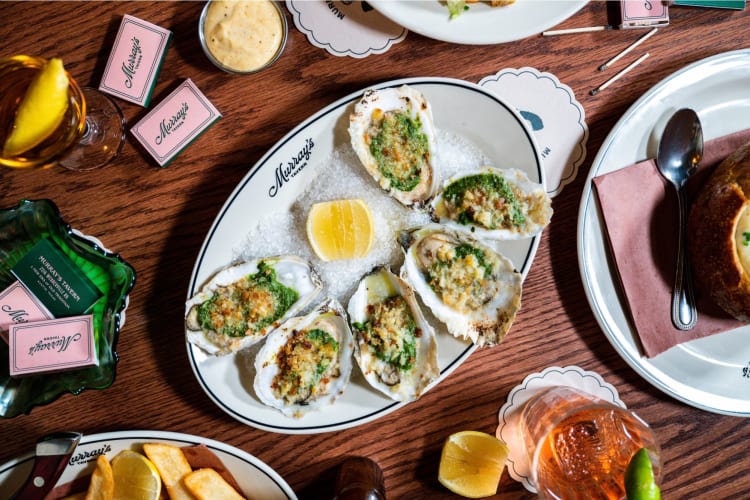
[(712, 373), (556, 117), (351, 29)]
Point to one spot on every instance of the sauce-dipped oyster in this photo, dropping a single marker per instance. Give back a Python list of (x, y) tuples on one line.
[(493, 203), (392, 132), (244, 302), (395, 346), (305, 363), (468, 286)]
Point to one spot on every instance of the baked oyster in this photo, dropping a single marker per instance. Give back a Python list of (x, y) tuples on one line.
[(242, 303), (394, 346), (493, 203), (392, 132), (468, 286), (305, 363)]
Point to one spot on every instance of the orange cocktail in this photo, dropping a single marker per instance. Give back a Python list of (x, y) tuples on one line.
[(579, 446)]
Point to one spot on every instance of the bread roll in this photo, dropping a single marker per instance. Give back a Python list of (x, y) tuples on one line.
[(719, 235)]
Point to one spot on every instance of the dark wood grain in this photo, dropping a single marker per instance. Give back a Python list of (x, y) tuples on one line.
[(157, 219)]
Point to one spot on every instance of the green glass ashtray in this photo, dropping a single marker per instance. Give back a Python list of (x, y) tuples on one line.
[(21, 227)]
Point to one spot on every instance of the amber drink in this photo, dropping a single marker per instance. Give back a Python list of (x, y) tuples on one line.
[(16, 74), (579, 445)]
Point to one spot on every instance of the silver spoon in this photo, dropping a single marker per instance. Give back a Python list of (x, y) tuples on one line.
[(680, 150)]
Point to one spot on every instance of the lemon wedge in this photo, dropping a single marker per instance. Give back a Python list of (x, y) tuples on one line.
[(472, 463), (41, 110), (340, 229), (135, 477)]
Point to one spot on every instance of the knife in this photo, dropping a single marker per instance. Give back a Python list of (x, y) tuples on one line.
[(52, 454)]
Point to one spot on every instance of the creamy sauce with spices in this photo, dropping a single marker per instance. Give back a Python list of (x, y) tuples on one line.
[(243, 35)]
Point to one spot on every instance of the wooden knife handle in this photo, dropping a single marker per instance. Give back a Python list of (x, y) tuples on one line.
[(43, 477)]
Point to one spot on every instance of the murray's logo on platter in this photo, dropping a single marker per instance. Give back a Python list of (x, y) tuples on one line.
[(167, 126), (84, 457), (292, 167), (131, 65)]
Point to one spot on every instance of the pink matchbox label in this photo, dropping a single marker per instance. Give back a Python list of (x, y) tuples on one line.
[(18, 305), (175, 122), (636, 13), (52, 345), (135, 60)]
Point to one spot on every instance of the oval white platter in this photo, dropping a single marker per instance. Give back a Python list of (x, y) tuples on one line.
[(481, 24), (273, 184), (712, 373), (255, 478)]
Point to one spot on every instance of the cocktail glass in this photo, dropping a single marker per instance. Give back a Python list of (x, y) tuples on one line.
[(579, 445), (92, 131)]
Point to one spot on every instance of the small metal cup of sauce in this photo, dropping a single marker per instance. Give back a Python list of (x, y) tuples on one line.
[(242, 36)]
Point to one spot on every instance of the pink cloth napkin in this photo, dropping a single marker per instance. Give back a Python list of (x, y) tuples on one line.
[(640, 215)]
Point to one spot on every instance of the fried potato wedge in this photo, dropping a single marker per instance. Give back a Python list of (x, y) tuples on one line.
[(172, 466), (207, 484), (102, 485)]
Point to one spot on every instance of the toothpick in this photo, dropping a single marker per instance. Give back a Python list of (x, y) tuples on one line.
[(628, 49), (619, 75), (576, 30)]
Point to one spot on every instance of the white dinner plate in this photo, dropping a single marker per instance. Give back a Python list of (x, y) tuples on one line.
[(712, 373), (460, 108), (255, 478), (481, 24)]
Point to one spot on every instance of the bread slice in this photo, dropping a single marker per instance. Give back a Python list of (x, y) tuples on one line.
[(719, 235)]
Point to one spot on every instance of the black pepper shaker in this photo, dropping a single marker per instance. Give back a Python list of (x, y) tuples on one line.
[(359, 478)]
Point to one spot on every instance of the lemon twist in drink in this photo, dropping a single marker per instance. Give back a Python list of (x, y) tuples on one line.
[(42, 111)]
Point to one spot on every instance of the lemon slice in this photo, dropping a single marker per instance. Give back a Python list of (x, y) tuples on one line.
[(135, 477), (41, 110), (640, 483), (340, 229), (472, 463)]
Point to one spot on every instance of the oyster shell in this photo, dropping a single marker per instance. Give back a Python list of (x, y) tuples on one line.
[(242, 303), (468, 286), (493, 203), (392, 132), (395, 347), (306, 362)]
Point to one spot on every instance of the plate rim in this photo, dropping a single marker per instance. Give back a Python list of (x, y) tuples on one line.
[(446, 34), (641, 365), (144, 434), (304, 124)]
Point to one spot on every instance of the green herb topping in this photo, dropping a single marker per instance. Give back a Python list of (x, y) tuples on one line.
[(248, 305), (486, 199), (400, 149)]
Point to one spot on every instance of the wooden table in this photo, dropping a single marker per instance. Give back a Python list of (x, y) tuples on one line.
[(157, 219)]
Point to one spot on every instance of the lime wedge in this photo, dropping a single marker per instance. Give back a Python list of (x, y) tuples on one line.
[(640, 483), (41, 110)]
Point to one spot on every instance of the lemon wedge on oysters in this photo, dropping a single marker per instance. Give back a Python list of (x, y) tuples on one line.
[(340, 229), (41, 111)]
